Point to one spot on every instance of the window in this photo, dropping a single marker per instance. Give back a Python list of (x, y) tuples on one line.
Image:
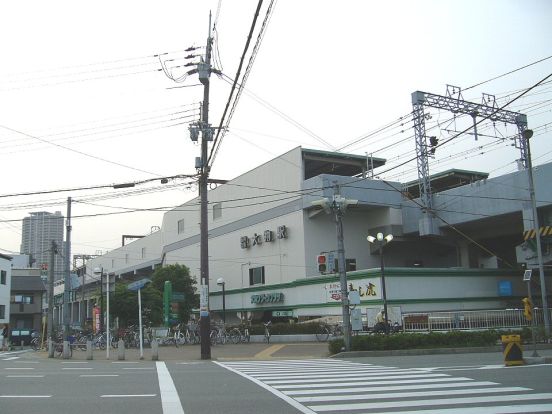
[(180, 226), (2, 311), (217, 211), (143, 252), (24, 299), (3, 277), (257, 276)]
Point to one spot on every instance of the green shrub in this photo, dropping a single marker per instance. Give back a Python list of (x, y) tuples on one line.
[(454, 339)]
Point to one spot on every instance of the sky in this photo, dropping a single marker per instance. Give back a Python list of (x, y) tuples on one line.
[(84, 101)]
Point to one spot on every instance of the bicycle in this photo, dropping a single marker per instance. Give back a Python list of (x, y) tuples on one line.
[(267, 332), (324, 331), (237, 335)]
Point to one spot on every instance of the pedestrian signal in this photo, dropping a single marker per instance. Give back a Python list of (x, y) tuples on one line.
[(322, 263)]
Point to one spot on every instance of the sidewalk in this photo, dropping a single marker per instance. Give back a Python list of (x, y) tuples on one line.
[(249, 351)]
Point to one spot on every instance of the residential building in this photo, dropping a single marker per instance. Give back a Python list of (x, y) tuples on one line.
[(5, 285), (39, 229), (27, 294)]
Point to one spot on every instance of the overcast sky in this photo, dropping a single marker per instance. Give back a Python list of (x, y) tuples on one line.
[(83, 101)]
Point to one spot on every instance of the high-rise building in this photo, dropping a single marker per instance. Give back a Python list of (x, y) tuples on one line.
[(38, 231)]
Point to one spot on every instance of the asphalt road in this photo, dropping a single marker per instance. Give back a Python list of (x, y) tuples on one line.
[(274, 380)]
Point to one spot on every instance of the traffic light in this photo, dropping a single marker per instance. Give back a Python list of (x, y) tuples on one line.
[(433, 142), (528, 311), (322, 263)]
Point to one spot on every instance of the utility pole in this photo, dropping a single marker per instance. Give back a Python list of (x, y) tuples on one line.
[(338, 206), (204, 71), (50, 319), (67, 282)]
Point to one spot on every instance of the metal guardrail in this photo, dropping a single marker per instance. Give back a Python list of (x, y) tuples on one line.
[(468, 320)]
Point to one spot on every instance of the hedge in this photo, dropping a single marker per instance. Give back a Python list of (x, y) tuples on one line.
[(453, 339)]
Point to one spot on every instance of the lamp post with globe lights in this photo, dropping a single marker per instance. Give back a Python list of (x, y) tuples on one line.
[(382, 241)]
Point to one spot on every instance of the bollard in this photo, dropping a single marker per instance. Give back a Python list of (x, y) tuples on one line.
[(154, 350), (66, 350), (89, 353), (121, 350), (50, 348)]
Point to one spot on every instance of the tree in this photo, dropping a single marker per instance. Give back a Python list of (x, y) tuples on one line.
[(179, 276), (124, 305)]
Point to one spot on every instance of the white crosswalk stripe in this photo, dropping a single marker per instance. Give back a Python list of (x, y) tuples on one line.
[(328, 385)]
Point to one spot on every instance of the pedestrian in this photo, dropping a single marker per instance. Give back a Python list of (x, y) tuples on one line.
[(5, 335)]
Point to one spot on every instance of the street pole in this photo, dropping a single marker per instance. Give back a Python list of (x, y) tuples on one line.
[(527, 134), (50, 320), (205, 321), (108, 339), (338, 212), (101, 301), (140, 324), (533, 333), (223, 303), (67, 281), (383, 292)]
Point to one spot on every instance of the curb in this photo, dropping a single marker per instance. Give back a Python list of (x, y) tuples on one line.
[(438, 351)]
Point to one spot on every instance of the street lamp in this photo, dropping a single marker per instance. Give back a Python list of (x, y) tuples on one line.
[(382, 241), (222, 282), (527, 134), (99, 271)]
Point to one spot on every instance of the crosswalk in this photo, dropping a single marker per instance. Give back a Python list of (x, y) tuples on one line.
[(337, 386)]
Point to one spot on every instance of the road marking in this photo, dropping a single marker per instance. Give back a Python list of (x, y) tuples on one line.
[(409, 394), (267, 353), (422, 380), (430, 385), (10, 358), (126, 395), (443, 401), (75, 362), (170, 401), (125, 362), (274, 391), (98, 375), (147, 368), (27, 362), (24, 376), (76, 368), (505, 409), (19, 368), (25, 396)]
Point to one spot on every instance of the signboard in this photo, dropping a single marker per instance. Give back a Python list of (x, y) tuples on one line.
[(139, 284), (204, 298), (527, 275), (267, 298), (280, 314), (368, 289), (96, 319), (505, 288)]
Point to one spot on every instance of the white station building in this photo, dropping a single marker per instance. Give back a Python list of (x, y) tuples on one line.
[(265, 235)]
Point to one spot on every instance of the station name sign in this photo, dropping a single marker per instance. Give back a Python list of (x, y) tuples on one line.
[(267, 237), (267, 298)]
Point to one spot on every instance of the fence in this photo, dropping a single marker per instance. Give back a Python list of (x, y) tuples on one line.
[(466, 320)]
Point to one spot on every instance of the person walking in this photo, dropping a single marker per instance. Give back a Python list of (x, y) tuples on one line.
[(5, 335)]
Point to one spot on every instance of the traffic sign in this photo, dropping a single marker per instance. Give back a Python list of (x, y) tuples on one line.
[(139, 284), (276, 314), (527, 275)]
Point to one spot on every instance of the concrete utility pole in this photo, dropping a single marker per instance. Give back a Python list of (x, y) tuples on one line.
[(338, 206), (50, 320), (204, 71), (67, 282), (527, 134)]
